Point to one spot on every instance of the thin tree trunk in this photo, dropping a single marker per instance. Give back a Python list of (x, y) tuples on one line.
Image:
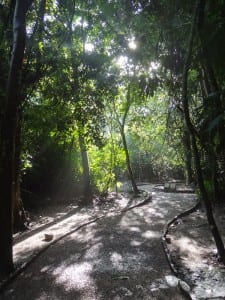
[(188, 157), (212, 224), (134, 185), (121, 128), (205, 197), (87, 190)]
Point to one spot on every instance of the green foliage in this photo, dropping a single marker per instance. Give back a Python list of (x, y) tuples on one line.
[(150, 142), (106, 164), (70, 89), (48, 136)]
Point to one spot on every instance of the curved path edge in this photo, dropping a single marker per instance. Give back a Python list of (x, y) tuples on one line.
[(182, 284), (36, 254)]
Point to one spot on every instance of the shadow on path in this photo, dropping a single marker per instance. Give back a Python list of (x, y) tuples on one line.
[(118, 257)]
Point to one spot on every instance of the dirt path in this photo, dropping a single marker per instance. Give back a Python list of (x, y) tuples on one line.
[(117, 257)]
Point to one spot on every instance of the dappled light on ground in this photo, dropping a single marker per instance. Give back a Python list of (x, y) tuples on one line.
[(115, 257), (193, 251), (150, 234), (78, 273)]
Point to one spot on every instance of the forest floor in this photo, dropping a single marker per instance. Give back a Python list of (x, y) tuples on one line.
[(194, 254), (101, 252)]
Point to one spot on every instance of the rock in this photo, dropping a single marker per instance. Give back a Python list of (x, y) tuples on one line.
[(168, 240), (172, 281), (154, 292), (48, 237), (184, 286), (163, 286)]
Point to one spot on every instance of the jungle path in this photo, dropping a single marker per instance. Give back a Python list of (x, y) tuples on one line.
[(118, 255)]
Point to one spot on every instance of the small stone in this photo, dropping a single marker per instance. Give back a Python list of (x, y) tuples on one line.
[(48, 237), (168, 240), (163, 286), (154, 291), (172, 281), (184, 286)]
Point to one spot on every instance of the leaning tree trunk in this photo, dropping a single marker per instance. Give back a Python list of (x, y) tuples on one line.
[(205, 196), (124, 141), (129, 169), (8, 137)]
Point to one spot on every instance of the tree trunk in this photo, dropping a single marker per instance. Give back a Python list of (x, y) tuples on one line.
[(20, 220), (20, 217), (121, 128), (205, 197), (129, 169), (188, 157), (213, 227), (8, 137), (215, 105), (87, 190)]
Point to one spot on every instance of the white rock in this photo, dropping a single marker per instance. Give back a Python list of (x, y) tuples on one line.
[(172, 281)]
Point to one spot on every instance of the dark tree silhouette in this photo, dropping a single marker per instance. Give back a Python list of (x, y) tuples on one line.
[(9, 131), (192, 131)]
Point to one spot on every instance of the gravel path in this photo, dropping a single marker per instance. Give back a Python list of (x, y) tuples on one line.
[(117, 257)]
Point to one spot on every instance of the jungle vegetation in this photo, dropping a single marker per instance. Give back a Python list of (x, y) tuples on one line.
[(96, 92)]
